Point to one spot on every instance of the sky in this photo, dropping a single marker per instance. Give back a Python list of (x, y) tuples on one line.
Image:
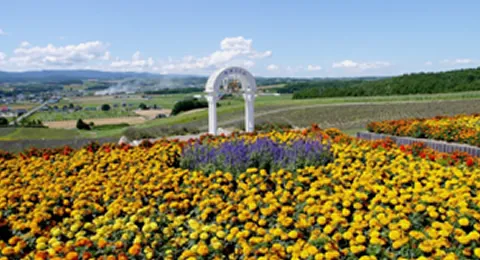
[(269, 38)]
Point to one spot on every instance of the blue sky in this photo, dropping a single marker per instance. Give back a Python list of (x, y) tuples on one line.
[(271, 38)]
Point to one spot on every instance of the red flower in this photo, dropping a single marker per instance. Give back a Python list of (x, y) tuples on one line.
[(470, 162)]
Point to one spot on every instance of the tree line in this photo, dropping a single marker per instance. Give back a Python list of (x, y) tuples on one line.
[(416, 83)]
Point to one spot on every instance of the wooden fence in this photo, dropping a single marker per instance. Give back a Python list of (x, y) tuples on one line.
[(440, 146)]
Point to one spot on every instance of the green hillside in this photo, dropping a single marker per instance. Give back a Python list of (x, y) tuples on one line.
[(417, 83)]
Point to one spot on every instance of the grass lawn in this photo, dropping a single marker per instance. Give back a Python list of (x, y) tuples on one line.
[(39, 133)]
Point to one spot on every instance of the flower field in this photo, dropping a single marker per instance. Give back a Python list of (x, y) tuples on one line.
[(461, 128), (177, 200)]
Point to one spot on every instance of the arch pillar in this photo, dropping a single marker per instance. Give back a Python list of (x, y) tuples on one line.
[(249, 98), (212, 112)]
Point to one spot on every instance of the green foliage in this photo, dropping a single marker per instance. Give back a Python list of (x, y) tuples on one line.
[(188, 104), (30, 123), (105, 107), (418, 83), (3, 122), (142, 106), (82, 125)]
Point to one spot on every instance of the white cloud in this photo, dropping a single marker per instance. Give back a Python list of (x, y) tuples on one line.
[(106, 56), (28, 56), (248, 64), (3, 58), (461, 61), (428, 63), (349, 64), (137, 63), (314, 68), (272, 67), (232, 51), (2, 32)]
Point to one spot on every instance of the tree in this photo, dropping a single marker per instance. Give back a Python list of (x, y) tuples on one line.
[(3, 122), (142, 106), (105, 107), (82, 125), (71, 106)]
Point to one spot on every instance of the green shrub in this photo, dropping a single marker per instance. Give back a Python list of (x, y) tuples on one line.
[(3, 122), (82, 125), (142, 106), (105, 107), (188, 104)]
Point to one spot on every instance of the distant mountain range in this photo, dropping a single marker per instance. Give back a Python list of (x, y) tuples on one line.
[(60, 75), (69, 75)]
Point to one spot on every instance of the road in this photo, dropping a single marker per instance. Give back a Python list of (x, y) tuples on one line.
[(29, 113)]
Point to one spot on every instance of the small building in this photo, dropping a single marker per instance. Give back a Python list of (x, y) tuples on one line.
[(20, 111)]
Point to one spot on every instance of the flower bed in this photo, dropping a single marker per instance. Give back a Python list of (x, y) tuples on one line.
[(461, 128), (370, 200)]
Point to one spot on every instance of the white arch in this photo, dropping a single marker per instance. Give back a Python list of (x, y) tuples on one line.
[(249, 87)]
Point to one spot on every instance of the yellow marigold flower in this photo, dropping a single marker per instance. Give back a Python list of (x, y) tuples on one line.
[(426, 246), (203, 236), (332, 255), (476, 252), (360, 239), (321, 220), (293, 234), (312, 250), (202, 250), (394, 235), (328, 229), (8, 251), (463, 222), (404, 224), (221, 234), (357, 249), (463, 239), (347, 235)]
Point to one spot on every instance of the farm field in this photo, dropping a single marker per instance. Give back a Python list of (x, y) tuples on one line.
[(283, 109), (164, 101), (152, 113), (340, 115), (354, 199), (71, 124), (61, 116)]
